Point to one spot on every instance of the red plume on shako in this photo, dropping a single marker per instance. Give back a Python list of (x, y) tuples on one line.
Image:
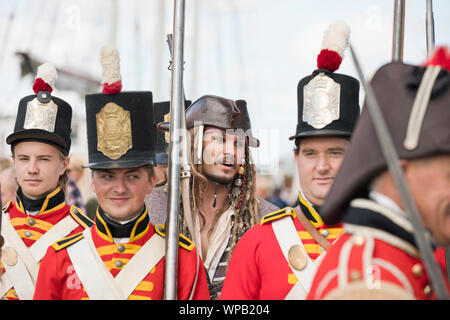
[(335, 42)]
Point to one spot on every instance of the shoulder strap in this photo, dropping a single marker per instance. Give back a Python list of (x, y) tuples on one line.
[(183, 241), (79, 216), (288, 211), (288, 238), (67, 241)]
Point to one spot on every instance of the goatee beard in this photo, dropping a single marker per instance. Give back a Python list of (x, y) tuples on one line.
[(219, 180)]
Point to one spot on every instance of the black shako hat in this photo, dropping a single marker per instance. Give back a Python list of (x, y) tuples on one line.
[(120, 128), (43, 117), (161, 113), (417, 120), (328, 102)]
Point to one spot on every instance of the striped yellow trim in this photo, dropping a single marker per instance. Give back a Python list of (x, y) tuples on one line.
[(304, 235), (47, 199), (19, 205), (278, 214), (34, 234), (40, 224), (108, 236), (58, 207), (145, 286), (319, 222), (112, 248), (313, 248), (134, 237), (292, 279), (334, 233), (136, 297)]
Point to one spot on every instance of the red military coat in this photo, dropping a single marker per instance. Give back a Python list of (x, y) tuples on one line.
[(32, 227), (58, 280), (376, 258), (258, 269)]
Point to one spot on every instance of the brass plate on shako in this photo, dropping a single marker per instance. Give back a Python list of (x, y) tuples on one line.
[(114, 136), (297, 257), (9, 256), (321, 101)]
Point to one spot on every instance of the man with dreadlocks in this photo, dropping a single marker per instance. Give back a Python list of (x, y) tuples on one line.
[(223, 201), (277, 259)]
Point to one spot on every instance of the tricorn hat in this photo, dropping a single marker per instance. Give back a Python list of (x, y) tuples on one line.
[(120, 128), (219, 112), (43, 117), (417, 120), (328, 102)]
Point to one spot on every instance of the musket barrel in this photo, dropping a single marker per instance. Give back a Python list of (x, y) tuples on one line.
[(398, 34), (176, 105), (430, 27)]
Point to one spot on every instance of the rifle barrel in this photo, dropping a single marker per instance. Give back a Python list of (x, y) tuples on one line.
[(176, 104)]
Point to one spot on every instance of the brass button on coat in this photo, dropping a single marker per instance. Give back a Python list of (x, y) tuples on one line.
[(31, 222), (121, 248), (417, 270), (27, 233)]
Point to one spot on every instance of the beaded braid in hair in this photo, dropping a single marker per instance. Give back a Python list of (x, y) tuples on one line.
[(243, 199)]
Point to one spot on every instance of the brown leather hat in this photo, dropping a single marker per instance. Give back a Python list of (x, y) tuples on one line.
[(217, 112), (396, 88)]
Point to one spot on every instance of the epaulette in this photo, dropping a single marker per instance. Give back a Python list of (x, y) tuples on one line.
[(81, 217), (183, 241), (6, 206), (65, 242), (288, 211)]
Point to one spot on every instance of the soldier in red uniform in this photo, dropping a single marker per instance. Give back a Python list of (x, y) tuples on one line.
[(277, 259), (39, 216), (377, 257), (122, 255)]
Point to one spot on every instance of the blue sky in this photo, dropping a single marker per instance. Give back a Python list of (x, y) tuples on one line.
[(255, 50)]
